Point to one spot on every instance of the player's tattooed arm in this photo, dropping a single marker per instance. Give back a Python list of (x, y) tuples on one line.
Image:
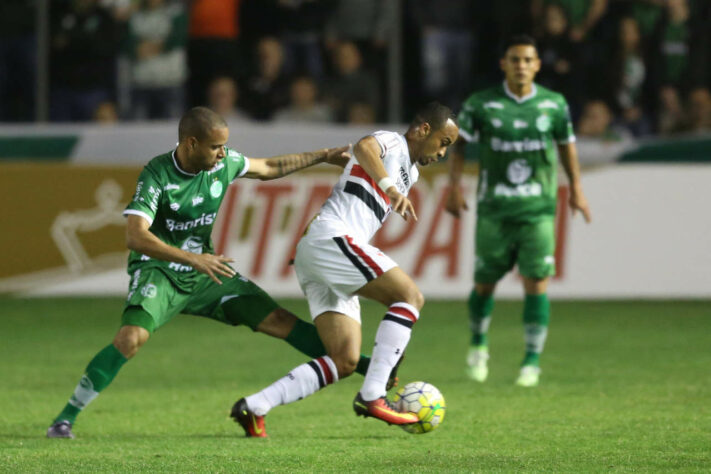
[(282, 165)]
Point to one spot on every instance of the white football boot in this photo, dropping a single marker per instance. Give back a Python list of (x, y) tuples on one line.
[(477, 359), (528, 376)]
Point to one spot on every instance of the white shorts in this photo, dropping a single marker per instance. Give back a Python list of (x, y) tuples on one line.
[(330, 270)]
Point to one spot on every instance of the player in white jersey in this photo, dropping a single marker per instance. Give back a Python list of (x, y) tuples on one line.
[(335, 265)]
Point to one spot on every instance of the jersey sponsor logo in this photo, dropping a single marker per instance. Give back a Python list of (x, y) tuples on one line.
[(139, 187), (192, 244), (518, 146), (149, 291), (518, 171), (179, 267), (216, 189), (497, 123), (170, 186), (155, 195), (547, 104), (520, 124), (199, 199), (543, 123), (522, 190), (174, 206), (405, 179), (204, 219), (493, 105)]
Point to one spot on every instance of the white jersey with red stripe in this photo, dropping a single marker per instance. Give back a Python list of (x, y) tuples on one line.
[(357, 206)]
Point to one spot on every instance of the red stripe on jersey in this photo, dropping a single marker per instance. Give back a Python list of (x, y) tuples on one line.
[(366, 258), (359, 172), (326, 370), (400, 311)]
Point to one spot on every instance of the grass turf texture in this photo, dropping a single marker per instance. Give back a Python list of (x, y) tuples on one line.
[(626, 386)]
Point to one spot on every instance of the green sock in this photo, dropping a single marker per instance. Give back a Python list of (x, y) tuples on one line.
[(305, 339), (536, 314), (480, 307), (98, 375)]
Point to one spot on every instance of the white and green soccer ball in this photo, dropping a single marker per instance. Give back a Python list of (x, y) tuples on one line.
[(424, 400)]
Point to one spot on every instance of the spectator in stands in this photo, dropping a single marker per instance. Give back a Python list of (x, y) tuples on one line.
[(700, 110), (268, 89), (18, 60), (557, 53), (647, 13), (302, 24), (628, 78), (584, 15), (597, 121), (223, 98), (157, 35), (106, 113), (351, 82), (360, 114), (303, 106), (670, 113), (447, 47), (83, 49), (366, 23), (213, 44)]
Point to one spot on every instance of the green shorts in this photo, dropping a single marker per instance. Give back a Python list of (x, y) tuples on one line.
[(500, 245), (152, 290)]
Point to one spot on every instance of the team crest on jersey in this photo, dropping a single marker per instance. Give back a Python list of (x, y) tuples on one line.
[(149, 291), (543, 123), (192, 244), (518, 171), (174, 206), (216, 189)]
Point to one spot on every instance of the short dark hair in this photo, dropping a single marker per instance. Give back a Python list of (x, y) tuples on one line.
[(197, 122), (434, 114), (518, 40)]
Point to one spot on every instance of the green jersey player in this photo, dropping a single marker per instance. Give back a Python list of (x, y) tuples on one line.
[(172, 265), (522, 129)]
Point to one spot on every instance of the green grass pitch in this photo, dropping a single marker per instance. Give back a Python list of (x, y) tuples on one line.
[(626, 386)]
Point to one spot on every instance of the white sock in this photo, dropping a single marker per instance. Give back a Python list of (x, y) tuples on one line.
[(301, 382), (390, 343), (535, 337)]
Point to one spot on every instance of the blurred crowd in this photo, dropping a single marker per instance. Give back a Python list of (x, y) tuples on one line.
[(627, 67)]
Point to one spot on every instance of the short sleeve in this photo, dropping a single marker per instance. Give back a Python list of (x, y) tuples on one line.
[(236, 164), (563, 127), (468, 120), (146, 198)]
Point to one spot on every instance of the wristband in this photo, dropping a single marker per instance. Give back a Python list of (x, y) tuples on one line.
[(385, 183)]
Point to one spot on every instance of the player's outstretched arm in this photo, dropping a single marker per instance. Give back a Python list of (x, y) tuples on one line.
[(278, 166), (569, 158), (367, 152), (455, 199), (140, 239)]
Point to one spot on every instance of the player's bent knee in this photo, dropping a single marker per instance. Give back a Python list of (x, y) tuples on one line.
[(130, 339), (345, 365)]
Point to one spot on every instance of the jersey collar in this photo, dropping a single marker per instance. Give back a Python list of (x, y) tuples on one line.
[(177, 166), (521, 100)]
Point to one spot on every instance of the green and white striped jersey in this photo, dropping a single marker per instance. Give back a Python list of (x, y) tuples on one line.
[(517, 137), (181, 207)]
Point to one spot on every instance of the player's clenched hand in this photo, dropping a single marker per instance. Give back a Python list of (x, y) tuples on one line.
[(338, 156), (400, 203), (578, 202), (213, 265), (455, 201)]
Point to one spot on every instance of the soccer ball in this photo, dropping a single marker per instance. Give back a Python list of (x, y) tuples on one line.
[(424, 400)]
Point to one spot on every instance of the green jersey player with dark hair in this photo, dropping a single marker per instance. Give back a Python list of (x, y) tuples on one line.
[(521, 128), (172, 264)]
